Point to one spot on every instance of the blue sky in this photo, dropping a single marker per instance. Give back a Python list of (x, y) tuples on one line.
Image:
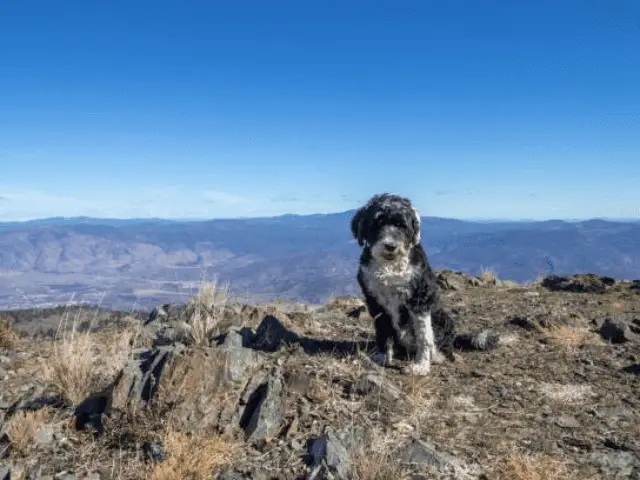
[(218, 109)]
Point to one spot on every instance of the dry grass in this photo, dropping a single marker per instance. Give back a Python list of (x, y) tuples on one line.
[(193, 457), (23, 430), (209, 303), (529, 467), (8, 338), (566, 393), (488, 276), (376, 460), (84, 363), (567, 336)]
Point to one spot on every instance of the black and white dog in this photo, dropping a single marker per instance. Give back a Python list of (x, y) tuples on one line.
[(399, 285)]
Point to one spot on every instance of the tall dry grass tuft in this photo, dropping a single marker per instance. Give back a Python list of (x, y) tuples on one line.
[(529, 467), (209, 307), (193, 456), (83, 363), (488, 276), (375, 459), (22, 430), (8, 338)]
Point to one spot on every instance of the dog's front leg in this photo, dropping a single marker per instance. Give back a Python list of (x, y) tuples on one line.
[(425, 345), (384, 339)]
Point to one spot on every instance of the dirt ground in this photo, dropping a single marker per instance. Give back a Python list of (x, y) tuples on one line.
[(558, 398)]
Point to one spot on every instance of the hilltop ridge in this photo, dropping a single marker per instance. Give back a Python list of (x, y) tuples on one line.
[(216, 388)]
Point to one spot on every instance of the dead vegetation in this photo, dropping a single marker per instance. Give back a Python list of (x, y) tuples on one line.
[(569, 337), (376, 459), (82, 363), (488, 276), (22, 430), (533, 467), (8, 338), (209, 307), (572, 413), (192, 456)]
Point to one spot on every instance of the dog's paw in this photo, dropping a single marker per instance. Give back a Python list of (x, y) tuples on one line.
[(419, 369), (381, 359), (437, 357)]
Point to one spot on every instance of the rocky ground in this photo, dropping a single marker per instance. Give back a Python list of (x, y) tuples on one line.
[(219, 390)]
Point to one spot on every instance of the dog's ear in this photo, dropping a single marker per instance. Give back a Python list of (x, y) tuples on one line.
[(357, 225), (415, 225)]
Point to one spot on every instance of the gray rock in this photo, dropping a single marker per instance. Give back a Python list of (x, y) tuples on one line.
[(615, 331), (428, 458), (12, 471), (39, 396), (138, 382), (579, 283), (614, 464), (331, 458), (377, 385), (154, 451), (263, 415), (239, 358), (65, 476), (418, 452), (567, 421), (45, 435)]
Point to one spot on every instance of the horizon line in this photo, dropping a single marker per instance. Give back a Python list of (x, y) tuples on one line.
[(81, 218)]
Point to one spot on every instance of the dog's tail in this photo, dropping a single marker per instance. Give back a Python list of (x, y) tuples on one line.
[(484, 340)]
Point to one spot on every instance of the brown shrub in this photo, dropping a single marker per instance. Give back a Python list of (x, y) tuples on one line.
[(8, 338)]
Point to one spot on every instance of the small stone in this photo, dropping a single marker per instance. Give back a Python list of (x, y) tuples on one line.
[(614, 464), (330, 453), (154, 451), (377, 385), (567, 421), (632, 369), (423, 453), (45, 435), (65, 476), (615, 331)]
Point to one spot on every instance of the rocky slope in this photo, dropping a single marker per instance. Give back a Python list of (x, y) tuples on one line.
[(217, 389)]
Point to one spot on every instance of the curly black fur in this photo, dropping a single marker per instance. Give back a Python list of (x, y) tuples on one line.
[(398, 283), (422, 297)]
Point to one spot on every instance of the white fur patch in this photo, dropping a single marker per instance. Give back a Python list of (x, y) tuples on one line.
[(427, 351), (419, 369)]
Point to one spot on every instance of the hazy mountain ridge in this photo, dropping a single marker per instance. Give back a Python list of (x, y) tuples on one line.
[(305, 257)]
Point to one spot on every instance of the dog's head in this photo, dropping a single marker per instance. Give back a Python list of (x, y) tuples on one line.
[(388, 224)]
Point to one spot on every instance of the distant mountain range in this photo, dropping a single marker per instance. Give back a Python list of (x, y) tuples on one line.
[(141, 262)]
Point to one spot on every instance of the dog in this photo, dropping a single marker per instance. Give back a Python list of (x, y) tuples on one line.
[(400, 287)]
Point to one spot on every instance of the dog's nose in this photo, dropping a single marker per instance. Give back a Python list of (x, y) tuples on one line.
[(390, 247)]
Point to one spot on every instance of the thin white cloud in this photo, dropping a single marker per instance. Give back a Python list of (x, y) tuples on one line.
[(170, 202), (215, 196)]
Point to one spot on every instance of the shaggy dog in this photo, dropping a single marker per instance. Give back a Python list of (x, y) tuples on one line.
[(400, 288)]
